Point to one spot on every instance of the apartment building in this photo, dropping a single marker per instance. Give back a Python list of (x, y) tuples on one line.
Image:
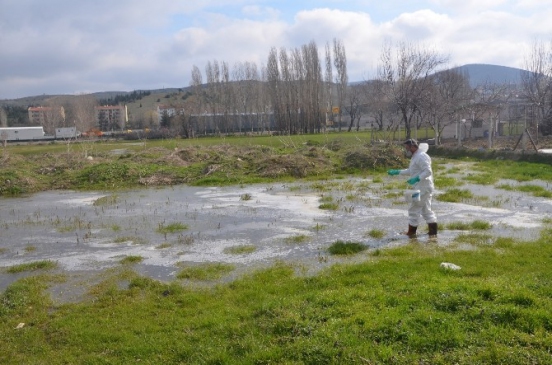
[(168, 110), (46, 116), (112, 117)]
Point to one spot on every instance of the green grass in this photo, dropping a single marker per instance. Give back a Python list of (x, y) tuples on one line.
[(300, 238), (398, 308), (346, 248), (455, 195), (375, 233), (240, 250), (329, 206), (32, 266), (442, 182), (482, 178), (201, 162), (171, 228), (106, 200), (465, 226), (128, 260), (209, 271), (135, 240)]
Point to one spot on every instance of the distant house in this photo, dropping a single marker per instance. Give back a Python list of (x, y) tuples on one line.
[(112, 117), (46, 116), (169, 111)]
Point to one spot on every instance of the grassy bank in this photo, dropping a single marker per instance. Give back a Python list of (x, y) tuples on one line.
[(205, 161), (398, 307)]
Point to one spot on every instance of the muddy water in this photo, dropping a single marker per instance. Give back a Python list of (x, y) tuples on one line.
[(85, 237)]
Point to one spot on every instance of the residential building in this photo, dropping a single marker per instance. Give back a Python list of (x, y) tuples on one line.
[(46, 116), (111, 117), (169, 111)]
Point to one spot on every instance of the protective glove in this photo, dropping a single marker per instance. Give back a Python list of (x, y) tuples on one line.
[(413, 180), (393, 172)]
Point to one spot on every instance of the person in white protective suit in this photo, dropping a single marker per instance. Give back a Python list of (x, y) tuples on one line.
[(421, 178)]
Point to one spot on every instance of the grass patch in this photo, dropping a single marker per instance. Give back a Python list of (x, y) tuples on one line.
[(210, 271), (300, 238), (329, 206), (475, 239), (246, 197), (129, 260), (133, 239), (443, 182), (547, 220), (375, 233), (535, 190), (163, 246), (32, 266), (346, 248), (455, 195), (240, 250), (171, 228), (106, 201), (482, 178), (465, 226)]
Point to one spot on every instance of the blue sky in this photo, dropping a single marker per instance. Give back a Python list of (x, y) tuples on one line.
[(73, 47)]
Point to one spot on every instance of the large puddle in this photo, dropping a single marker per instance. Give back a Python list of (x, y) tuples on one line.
[(282, 221)]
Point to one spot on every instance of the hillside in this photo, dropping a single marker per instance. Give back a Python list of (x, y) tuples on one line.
[(142, 109), (480, 74)]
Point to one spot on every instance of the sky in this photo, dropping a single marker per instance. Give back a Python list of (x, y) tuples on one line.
[(78, 47)]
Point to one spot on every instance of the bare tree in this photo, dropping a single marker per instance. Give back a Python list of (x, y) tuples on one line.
[(407, 76), (328, 80), (82, 110), (274, 82), (197, 105), (314, 84), (445, 101), (3, 117), (212, 72), (54, 116), (341, 79), (287, 91), (353, 106), (82, 116), (382, 111), (537, 85), (4, 123)]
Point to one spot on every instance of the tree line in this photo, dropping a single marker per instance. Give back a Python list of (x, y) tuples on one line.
[(300, 91), (305, 90)]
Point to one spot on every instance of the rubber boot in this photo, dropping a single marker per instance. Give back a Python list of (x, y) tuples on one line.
[(432, 228), (411, 231)]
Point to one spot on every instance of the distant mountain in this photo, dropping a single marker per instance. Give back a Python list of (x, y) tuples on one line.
[(480, 74)]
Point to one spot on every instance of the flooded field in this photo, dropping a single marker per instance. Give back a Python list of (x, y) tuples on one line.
[(86, 233)]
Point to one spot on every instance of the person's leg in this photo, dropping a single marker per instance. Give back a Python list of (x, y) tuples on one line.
[(427, 213), (414, 212), (425, 208)]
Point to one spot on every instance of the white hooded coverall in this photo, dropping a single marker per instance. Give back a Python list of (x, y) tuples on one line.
[(420, 165)]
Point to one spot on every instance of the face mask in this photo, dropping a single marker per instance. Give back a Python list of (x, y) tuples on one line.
[(408, 153)]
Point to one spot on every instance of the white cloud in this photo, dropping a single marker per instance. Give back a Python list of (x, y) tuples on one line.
[(65, 46)]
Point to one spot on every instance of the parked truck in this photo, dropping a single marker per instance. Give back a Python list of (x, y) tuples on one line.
[(22, 134)]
